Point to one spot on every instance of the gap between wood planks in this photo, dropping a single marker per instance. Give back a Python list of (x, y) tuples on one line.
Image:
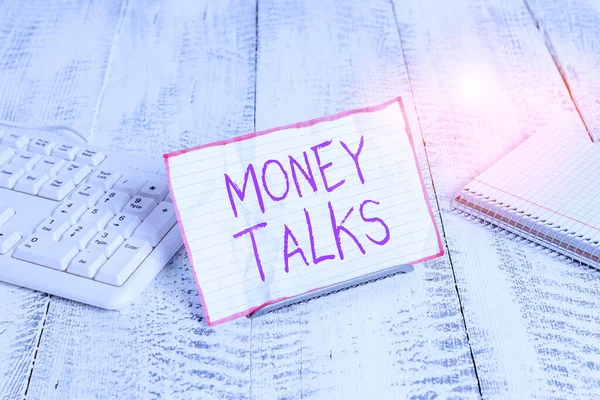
[(116, 37), (437, 203), (37, 347), (557, 63)]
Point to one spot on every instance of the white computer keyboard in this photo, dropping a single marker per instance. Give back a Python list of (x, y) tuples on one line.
[(81, 222)]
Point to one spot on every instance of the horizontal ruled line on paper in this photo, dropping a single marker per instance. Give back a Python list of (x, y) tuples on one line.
[(192, 238), (206, 170), (274, 142), (340, 278), (206, 270), (298, 199), (364, 172), (326, 214), (316, 238), (220, 179)]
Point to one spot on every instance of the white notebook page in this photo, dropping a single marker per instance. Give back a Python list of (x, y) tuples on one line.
[(551, 177), (356, 171)]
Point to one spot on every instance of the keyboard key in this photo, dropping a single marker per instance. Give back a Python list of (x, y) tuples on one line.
[(169, 198), (74, 171), (97, 216), (124, 262), (87, 194), (66, 152), (6, 213), (157, 225), (26, 160), (87, 263), (53, 227), (106, 241), (8, 240), (50, 165), (41, 146), (56, 189), (71, 210), (6, 153), (155, 190), (140, 207), (31, 182), (9, 175), (16, 141), (125, 224), (113, 201), (104, 179), (129, 185), (80, 235), (90, 157), (42, 250)]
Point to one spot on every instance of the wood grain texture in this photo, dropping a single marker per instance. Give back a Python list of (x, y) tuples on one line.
[(53, 58), (572, 32), (484, 80), (181, 74), (402, 337)]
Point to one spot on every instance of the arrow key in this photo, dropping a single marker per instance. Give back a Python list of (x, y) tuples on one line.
[(124, 224)]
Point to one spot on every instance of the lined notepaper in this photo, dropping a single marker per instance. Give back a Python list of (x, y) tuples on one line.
[(274, 214), (551, 179)]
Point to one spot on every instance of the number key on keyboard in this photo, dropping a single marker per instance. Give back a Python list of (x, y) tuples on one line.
[(80, 235), (97, 216), (124, 262), (140, 207), (54, 227), (155, 190), (8, 240), (107, 242), (42, 250), (87, 194), (114, 201), (70, 209), (124, 223), (87, 263), (157, 225)]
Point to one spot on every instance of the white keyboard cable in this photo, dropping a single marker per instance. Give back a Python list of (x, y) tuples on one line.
[(44, 128)]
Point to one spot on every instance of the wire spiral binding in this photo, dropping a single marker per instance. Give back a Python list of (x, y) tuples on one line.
[(530, 227)]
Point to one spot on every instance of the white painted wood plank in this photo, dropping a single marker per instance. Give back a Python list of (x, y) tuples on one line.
[(182, 74), (397, 338), (572, 30), (484, 80), (53, 58)]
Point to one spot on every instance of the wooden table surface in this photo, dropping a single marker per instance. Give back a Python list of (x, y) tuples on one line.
[(493, 318)]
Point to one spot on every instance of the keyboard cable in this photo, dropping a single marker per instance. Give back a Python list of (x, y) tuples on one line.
[(45, 128)]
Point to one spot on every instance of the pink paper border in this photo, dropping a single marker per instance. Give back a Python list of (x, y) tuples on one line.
[(295, 126)]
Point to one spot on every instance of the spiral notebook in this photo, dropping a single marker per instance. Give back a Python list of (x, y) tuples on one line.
[(547, 190)]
